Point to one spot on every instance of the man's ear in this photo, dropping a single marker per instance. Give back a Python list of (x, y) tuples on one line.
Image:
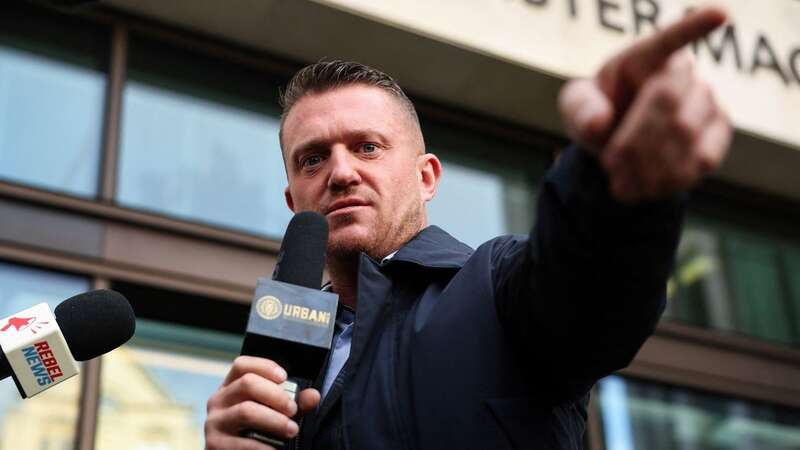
[(288, 196), (429, 169)]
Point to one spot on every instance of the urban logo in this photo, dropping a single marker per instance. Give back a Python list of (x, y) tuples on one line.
[(43, 363), (269, 307), (24, 323), (303, 314)]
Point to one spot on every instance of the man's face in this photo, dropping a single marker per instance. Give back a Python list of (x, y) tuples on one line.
[(354, 155)]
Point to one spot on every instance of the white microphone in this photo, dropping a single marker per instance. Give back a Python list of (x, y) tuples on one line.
[(39, 349)]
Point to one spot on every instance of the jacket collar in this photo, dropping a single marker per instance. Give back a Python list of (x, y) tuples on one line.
[(433, 248)]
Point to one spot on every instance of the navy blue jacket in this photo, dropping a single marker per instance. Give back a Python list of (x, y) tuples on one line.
[(497, 348)]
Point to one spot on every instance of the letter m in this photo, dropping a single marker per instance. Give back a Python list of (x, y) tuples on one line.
[(718, 50)]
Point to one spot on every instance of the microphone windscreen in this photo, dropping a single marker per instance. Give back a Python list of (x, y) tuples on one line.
[(302, 256), (95, 322)]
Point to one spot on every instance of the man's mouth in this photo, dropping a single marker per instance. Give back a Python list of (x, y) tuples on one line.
[(345, 205)]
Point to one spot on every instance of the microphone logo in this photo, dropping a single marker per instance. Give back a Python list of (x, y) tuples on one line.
[(269, 307), (23, 323)]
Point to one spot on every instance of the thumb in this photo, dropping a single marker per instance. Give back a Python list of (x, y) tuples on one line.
[(308, 400), (586, 112)]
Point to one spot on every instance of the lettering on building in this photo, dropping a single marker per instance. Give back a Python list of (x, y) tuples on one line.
[(747, 53)]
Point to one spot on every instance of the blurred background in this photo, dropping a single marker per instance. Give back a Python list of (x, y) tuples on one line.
[(139, 152)]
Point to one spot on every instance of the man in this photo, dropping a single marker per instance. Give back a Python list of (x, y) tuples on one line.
[(497, 347)]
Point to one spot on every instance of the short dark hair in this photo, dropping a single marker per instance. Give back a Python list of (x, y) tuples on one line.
[(330, 74)]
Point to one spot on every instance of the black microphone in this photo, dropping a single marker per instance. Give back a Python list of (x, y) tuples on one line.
[(38, 349), (301, 258), (291, 319)]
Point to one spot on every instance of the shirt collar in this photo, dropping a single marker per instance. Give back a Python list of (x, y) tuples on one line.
[(389, 257)]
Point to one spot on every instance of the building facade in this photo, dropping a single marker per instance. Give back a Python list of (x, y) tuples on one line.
[(139, 152)]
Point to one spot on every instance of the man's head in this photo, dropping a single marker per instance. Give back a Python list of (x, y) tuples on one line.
[(354, 151)]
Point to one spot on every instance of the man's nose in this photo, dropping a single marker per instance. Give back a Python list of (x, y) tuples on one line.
[(344, 170)]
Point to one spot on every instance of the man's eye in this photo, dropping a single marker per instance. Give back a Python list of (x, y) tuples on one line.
[(369, 148), (311, 161)]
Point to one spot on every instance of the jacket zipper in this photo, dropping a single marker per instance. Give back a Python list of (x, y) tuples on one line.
[(299, 434)]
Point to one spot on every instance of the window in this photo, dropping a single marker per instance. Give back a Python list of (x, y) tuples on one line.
[(52, 89), (52, 415), (638, 415), (733, 278), (487, 185), (155, 388), (200, 141)]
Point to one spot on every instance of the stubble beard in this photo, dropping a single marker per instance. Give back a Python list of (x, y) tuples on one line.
[(383, 239)]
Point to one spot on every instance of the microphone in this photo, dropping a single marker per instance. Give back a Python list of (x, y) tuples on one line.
[(40, 349), (291, 320)]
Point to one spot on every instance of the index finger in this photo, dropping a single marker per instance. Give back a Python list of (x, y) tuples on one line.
[(259, 366), (652, 52)]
